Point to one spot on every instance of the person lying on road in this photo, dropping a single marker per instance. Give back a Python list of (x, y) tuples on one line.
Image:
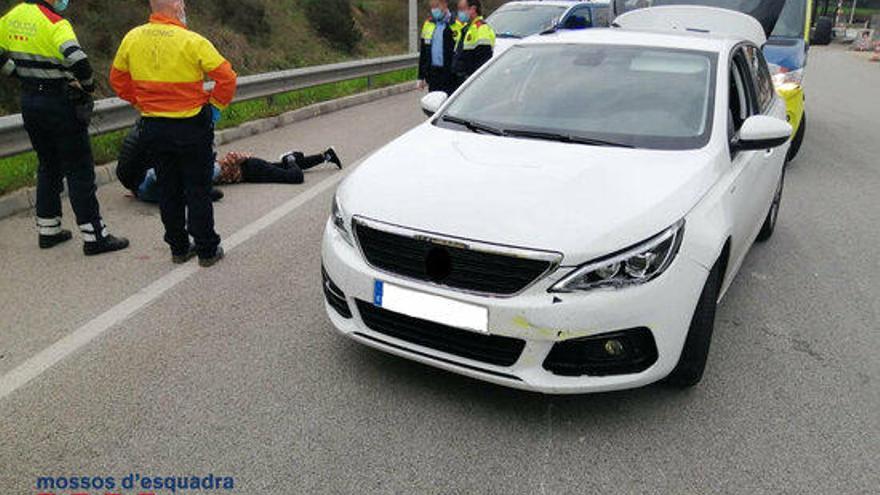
[(236, 168)]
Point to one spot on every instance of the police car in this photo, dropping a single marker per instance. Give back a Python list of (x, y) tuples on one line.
[(516, 20), (568, 220)]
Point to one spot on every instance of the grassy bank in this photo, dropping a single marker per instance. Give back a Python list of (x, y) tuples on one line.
[(20, 170)]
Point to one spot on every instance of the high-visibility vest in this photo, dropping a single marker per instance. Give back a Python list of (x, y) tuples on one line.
[(479, 33), (428, 29), (39, 46), (160, 68), (457, 27)]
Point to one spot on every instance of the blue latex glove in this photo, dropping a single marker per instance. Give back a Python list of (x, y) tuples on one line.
[(215, 115)]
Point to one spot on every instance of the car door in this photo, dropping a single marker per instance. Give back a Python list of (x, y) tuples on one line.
[(774, 159), (579, 17), (747, 194)]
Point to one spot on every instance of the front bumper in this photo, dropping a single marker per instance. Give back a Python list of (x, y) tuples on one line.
[(541, 319), (793, 96)]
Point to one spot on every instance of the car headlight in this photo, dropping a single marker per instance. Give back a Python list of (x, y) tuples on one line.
[(338, 217), (783, 77), (635, 266)]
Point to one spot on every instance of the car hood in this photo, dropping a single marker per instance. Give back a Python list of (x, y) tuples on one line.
[(582, 201)]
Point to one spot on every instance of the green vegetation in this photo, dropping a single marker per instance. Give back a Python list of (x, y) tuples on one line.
[(19, 171)]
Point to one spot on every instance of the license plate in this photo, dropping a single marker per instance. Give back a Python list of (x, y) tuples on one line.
[(430, 307)]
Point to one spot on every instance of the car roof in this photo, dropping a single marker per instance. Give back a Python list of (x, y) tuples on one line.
[(618, 36), (559, 3)]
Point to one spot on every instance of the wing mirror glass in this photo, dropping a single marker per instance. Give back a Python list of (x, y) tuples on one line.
[(433, 101), (761, 132)]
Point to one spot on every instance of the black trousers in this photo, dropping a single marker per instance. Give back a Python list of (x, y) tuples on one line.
[(64, 151), (440, 79), (184, 154), (258, 171), (255, 170)]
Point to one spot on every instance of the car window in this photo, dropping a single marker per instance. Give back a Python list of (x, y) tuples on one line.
[(601, 16), (644, 97), (521, 20), (742, 102), (763, 81), (579, 18)]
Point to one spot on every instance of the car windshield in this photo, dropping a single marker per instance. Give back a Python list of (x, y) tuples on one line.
[(792, 21), (521, 20), (765, 11), (628, 96)]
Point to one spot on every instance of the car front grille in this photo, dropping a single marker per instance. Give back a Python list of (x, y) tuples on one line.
[(490, 349), (473, 267)]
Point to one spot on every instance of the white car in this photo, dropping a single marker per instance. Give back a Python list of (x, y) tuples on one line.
[(520, 19), (569, 219)]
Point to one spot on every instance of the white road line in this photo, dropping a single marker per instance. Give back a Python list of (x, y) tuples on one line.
[(64, 348)]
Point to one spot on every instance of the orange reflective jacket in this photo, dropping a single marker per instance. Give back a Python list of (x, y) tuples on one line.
[(161, 68)]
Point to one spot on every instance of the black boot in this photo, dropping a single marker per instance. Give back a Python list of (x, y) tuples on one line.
[(51, 233), (50, 241), (216, 194), (179, 259), (98, 241), (331, 156), (213, 260)]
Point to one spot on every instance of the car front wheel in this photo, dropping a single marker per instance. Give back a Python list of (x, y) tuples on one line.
[(797, 141), (773, 215), (692, 362)]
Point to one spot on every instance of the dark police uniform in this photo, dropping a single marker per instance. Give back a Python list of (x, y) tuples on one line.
[(439, 78), (475, 47), (39, 47)]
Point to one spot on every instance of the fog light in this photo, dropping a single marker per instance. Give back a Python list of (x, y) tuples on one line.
[(614, 348)]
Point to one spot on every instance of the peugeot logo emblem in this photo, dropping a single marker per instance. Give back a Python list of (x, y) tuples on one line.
[(438, 264)]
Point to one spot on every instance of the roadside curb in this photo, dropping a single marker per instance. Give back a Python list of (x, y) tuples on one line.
[(25, 199)]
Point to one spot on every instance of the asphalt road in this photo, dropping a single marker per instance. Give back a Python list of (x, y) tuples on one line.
[(236, 371)]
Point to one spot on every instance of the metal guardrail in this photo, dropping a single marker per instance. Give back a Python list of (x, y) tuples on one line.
[(114, 114)]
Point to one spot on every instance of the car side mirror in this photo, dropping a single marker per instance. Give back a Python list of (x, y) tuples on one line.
[(761, 132), (433, 101)]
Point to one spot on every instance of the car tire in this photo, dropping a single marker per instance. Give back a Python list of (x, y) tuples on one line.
[(797, 140), (692, 363), (773, 215), (823, 31)]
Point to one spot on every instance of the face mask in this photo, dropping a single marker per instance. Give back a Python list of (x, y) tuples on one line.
[(437, 14), (182, 17), (464, 16), (61, 5)]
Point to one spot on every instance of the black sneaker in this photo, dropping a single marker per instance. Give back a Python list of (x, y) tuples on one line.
[(179, 259), (108, 244), (50, 241), (331, 156), (216, 194), (213, 260)]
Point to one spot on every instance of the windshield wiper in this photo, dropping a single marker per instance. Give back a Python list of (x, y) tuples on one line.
[(565, 138), (474, 126), (508, 35)]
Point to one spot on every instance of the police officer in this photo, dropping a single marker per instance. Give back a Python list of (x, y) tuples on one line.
[(437, 47), (38, 46), (160, 68), (476, 43)]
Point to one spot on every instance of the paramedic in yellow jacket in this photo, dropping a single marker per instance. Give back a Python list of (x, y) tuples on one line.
[(39, 48), (160, 69)]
